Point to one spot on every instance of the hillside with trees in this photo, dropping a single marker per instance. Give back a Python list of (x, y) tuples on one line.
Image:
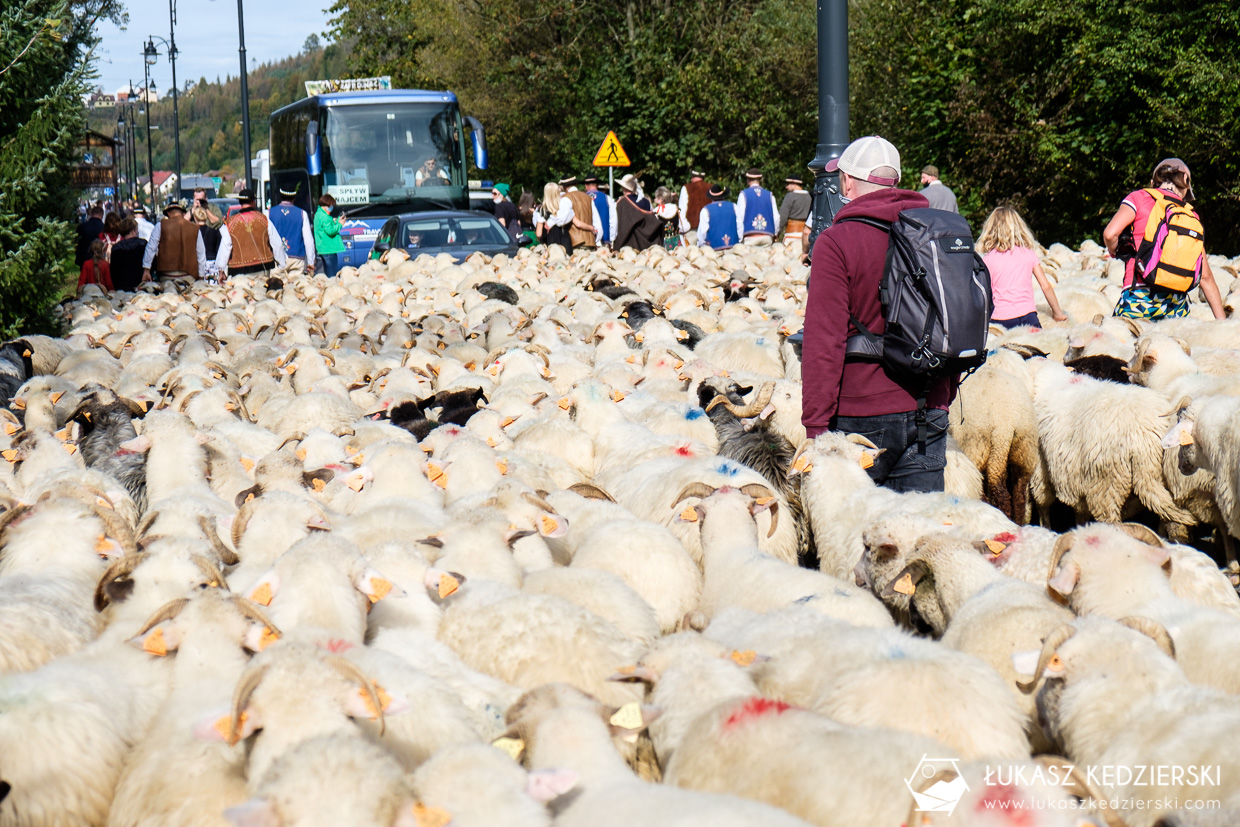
[(1059, 107), (211, 112)]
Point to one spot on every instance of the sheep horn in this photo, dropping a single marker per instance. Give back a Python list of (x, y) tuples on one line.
[(116, 527), (164, 612), (1138, 358), (590, 491), (121, 568), (144, 525), (538, 502), (210, 571), (1061, 548), (296, 437), (226, 555), (693, 489), (1139, 532), (174, 347), (1053, 641), (240, 403), (1152, 629), (9, 516), (858, 439), (242, 520), (353, 672), (253, 612), (757, 490), (241, 696), (1132, 326), (493, 355)]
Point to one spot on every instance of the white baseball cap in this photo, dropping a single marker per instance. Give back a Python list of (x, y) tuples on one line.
[(864, 155)]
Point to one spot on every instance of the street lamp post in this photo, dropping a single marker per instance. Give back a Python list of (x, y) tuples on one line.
[(150, 56), (176, 118), (245, 98), (832, 109)]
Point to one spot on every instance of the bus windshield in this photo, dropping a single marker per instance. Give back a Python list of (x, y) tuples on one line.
[(391, 155)]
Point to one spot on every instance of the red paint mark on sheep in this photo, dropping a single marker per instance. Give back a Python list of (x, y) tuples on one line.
[(755, 708), (684, 450), (1005, 799), (337, 645), (1005, 537)]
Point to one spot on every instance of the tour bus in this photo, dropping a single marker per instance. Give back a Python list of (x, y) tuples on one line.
[(379, 153)]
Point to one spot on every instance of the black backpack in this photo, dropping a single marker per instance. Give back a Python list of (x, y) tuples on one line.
[(936, 299)]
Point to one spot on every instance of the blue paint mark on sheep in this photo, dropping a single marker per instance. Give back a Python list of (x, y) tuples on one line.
[(842, 593), (807, 598), (729, 468), (761, 341), (694, 413)]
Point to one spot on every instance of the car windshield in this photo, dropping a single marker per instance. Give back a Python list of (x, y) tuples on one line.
[(394, 154), (452, 232)]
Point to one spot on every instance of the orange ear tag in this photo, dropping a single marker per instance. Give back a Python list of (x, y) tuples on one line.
[(616, 396), (628, 716), (385, 700), (866, 461), (508, 420), (905, 585), (106, 548), (448, 585), (996, 548), (1186, 438), (803, 464), (317, 484), (502, 465), (626, 670), (248, 464), (424, 816), (268, 637), (436, 475), (10, 455), (357, 483), (491, 441), (11, 428), (689, 515), (223, 723), (744, 658), (549, 523), (380, 587), (154, 643), (512, 747), (564, 404), (262, 595)]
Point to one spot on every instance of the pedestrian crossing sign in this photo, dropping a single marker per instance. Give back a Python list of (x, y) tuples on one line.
[(611, 154)]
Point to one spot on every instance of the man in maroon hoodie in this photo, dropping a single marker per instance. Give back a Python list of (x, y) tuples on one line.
[(860, 397)]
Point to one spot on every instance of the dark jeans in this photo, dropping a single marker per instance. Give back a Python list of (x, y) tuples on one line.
[(329, 264), (903, 465), (1029, 319)]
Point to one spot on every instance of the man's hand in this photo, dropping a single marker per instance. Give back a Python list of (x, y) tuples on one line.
[(146, 274)]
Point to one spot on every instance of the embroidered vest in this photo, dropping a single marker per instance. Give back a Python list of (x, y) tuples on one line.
[(721, 228), (288, 223), (581, 209), (248, 230), (759, 212)]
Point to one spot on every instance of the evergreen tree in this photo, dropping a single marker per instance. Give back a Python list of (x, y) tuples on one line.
[(44, 69)]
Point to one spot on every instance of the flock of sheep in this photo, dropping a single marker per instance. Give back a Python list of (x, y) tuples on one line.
[(541, 540)]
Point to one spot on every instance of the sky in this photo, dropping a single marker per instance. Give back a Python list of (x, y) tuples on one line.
[(206, 37)]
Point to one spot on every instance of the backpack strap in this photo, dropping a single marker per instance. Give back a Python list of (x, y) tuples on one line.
[(867, 345), (876, 223)]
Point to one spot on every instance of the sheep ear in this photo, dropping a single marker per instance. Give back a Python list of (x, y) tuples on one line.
[(691, 514), (159, 640), (258, 637), (634, 674), (1025, 663), (265, 590), (442, 583), (357, 704), (906, 581), (257, 812), (137, 445), (214, 725), (552, 525), (630, 719), (1180, 434), (318, 480), (376, 587), (1065, 581), (547, 785)]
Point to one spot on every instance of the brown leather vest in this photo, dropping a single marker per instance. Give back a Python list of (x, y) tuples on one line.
[(178, 247), (583, 210), (250, 245), (699, 197)]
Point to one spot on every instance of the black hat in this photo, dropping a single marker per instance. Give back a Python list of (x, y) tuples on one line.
[(693, 173), (717, 191), (288, 193), (792, 179), (570, 181), (174, 205), (246, 194), (593, 179), (753, 172)]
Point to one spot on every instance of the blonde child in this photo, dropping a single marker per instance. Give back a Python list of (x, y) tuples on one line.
[(665, 209), (1006, 245)]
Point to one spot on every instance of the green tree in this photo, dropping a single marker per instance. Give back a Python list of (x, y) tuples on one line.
[(44, 70), (312, 44)]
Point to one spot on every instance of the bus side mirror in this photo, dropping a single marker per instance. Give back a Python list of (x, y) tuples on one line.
[(478, 137), (314, 158)]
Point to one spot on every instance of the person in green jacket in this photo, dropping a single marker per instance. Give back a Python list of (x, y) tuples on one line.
[(327, 235)]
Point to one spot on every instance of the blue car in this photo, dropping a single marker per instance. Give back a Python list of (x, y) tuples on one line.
[(458, 233)]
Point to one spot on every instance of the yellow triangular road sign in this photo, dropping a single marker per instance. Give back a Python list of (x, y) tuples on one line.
[(611, 154)]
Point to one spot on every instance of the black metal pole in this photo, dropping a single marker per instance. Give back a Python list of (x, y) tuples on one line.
[(832, 109), (176, 117), (245, 100), (150, 158), (133, 156)]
